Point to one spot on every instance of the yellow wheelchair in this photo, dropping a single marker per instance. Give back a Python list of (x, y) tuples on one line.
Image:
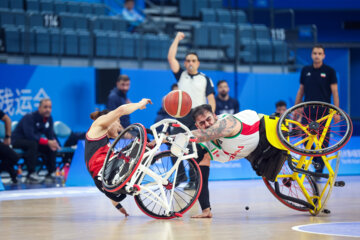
[(305, 131)]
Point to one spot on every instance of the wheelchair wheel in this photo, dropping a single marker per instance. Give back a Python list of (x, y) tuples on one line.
[(123, 157), (289, 189), (182, 199), (308, 119)]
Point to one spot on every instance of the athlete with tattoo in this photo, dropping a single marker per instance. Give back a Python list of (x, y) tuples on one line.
[(229, 137)]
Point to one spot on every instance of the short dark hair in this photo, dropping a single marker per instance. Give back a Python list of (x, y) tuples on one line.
[(123, 77), (200, 110), (44, 100), (220, 82), (96, 114), (280, 103), (173, 86), (192, 53), (318, 46)]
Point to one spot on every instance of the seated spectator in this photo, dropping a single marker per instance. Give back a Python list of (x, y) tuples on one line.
[(118, 97), (34, 134), (131, 15), (281, 107), (224, 103), (8, 157)]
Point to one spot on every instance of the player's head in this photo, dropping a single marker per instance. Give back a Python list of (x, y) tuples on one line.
[(123, 83), (45, 107), (129, 4), (174, 87), (318, 54), (280, 107), (113, 129), (204, 116), (223, 88), (192, 62)]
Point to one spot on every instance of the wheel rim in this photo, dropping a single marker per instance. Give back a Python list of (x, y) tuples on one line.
[(291, 188), (316, 117), (182, 200), (123, 157)]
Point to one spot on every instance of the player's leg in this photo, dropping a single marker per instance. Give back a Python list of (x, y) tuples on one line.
[(204, 197)]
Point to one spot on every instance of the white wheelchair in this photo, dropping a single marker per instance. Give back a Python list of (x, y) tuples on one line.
[(150, 175)]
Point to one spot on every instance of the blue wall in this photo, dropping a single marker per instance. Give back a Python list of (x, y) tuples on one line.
[(72, 90), (296, 4)]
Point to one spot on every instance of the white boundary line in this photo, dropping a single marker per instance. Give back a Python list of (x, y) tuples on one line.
[(297, 228), (41, 193)]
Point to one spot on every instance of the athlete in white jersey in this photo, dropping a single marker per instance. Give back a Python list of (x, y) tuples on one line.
[(239, 145), (229, 137)]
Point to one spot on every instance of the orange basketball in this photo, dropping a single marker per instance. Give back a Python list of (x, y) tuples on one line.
[(177, 103)]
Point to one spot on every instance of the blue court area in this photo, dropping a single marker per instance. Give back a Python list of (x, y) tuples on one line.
[(344, 229)]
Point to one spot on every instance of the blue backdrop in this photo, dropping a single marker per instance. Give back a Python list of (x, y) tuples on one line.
[(72, 90)]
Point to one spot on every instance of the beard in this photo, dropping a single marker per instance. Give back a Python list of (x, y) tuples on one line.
[(223, 94)]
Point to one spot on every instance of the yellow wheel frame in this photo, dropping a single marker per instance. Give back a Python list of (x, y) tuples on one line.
[(301, 167)]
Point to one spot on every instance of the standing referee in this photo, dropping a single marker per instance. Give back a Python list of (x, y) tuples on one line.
[(317, 83), (196, 84)]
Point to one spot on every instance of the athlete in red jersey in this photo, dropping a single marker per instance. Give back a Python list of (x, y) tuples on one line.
[(105, 126)]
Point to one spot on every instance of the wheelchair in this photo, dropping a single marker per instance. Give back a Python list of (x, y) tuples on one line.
[(305, 131), (148, 174)]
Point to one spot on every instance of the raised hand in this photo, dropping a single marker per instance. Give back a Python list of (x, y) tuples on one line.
[(144, 102)]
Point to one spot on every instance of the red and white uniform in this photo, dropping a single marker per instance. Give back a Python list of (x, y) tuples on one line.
[(239, 146)]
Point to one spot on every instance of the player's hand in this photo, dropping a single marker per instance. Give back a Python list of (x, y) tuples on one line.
[(144, 102), (180, 36), (53, 145), (336, 118), (151, 144), (123, 211), (7, 141)]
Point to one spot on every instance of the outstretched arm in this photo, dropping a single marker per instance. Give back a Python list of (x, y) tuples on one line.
[(101, 125), (226, 127), (174, 64)]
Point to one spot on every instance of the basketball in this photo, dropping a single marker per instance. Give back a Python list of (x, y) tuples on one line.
[(177, 103)]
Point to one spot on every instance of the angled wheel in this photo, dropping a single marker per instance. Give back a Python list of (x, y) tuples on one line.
[(328, 126), (289, 192), (123, 157), (181, 201)]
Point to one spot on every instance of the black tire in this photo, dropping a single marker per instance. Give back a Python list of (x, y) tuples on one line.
[(182, 200), (120, 165), (291, 188), (311, 113)]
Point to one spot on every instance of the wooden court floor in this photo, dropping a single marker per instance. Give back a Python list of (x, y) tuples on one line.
[(89, 215)]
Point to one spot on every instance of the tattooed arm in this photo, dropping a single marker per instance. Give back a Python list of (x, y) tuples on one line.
[(226, 127)]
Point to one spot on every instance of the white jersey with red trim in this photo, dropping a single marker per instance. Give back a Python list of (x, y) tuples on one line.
[(238, 146)]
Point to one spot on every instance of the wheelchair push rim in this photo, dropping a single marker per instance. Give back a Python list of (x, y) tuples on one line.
[(120, 166), (182, 200), (289, 189), (312, 123)]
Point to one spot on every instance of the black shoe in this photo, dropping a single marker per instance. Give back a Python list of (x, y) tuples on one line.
[(14, 180), (13, 177), (190, 186)]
